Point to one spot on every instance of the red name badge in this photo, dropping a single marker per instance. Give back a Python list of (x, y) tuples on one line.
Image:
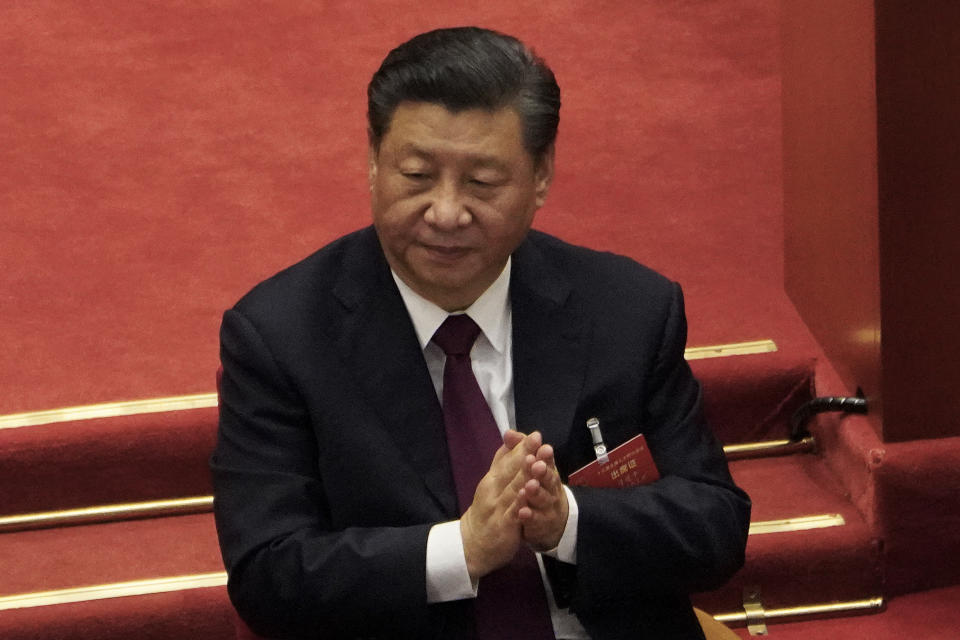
[(630, 465)]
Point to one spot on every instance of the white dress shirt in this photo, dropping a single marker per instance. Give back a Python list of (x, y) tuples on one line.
[(492, 362)]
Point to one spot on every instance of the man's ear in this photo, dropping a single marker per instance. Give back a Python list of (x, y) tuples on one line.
[(371, 166), (543, 175)]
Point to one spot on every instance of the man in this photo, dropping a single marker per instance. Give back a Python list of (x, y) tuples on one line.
[(358, 493)]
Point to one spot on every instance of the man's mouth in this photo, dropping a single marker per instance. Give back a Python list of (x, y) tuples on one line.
[(447, 251)]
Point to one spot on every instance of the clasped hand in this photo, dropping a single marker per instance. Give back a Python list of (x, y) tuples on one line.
[(520, 500)]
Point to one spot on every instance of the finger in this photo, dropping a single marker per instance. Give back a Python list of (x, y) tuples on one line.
[(519, 459), (523, 508), (531, 503), (507, 463), (538, 498), (542, 501), (533, 442), (509, 499), (531, 488), (545, 453), (528, 464), (517, 482), (544, 525), (512, 438), (538, 469), (511, 511), (546, 492), (550, 479)]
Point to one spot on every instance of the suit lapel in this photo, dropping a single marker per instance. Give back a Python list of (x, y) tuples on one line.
[(378, 341), (550, 347)]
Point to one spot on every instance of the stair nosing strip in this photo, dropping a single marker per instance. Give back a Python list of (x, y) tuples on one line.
[(113, 590), (798, 611), (109, 410), (751, 347), (800, 523), (106, 513)]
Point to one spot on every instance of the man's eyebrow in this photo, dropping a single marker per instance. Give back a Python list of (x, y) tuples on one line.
[(479, 160), (411, 148), (490, 162)]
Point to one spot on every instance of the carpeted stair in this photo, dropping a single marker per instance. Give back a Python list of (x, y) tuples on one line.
[(155, 456)]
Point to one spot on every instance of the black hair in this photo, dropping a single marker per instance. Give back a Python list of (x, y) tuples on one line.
[(467, 68)]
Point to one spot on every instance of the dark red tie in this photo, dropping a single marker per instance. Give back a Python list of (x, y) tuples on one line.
[(511, 603)]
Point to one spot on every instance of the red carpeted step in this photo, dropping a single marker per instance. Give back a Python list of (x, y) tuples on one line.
[(796, 567), (194, 613), (82, 463), (918, 508), (103, 554), (157, 456), (908, 489), (799, 567), (751, 397), (68, 557)]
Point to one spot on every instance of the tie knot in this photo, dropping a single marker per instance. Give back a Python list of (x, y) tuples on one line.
[(456, 335)]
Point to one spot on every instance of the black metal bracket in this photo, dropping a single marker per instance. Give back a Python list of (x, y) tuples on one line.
[(800, 418)]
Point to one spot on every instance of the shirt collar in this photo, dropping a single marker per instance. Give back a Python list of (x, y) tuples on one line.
[(491, 311)]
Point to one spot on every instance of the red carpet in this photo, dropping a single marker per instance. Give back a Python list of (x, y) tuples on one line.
[(157, 159), (106, 461), (107, 553), (832, 564), (183, 615)]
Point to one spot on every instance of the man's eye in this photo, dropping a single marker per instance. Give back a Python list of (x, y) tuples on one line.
[(481, 183), (415, 175)]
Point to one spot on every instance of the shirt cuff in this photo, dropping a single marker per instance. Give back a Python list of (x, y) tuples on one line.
[(447, 575), (566, 550)]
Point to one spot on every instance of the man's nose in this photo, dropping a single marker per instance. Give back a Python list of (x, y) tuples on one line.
[(447, 210)]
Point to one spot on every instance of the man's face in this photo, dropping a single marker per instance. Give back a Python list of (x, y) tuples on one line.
[(453, 194)]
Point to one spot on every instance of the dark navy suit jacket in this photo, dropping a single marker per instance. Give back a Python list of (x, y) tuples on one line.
[(331, 462)]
